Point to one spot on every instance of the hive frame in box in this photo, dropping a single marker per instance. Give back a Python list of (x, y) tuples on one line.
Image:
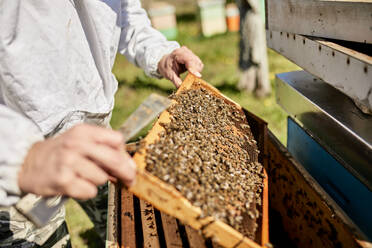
[(168, 200)]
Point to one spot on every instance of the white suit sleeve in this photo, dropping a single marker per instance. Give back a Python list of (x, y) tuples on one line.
[(17, 134), (139, 42)]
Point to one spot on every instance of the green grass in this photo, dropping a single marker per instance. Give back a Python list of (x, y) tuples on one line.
[(220, 56), (80, 227)]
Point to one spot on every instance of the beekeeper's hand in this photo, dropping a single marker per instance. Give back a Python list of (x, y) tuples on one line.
[(75, 163), (177, 62)]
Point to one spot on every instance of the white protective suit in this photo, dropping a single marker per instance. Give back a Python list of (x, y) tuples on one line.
[(49, 77), (56, 58)]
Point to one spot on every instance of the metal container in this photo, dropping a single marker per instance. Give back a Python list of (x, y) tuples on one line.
[(332, 139)]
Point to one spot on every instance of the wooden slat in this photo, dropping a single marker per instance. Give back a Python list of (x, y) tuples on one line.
[(265, 212), (171, 232), (167, 199), (309, 216), (345, 69), (196, 240), (128, 231), (150, 231), (343, 20), (112, 240), (260, 132)]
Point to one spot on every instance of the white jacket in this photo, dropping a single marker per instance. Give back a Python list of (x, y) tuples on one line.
[(55, 69)]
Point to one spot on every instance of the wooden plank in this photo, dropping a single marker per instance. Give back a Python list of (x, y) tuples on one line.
[(265, 213), (150, 231), (260, 132), (167, 199), (343, 20), (345, 69), (196, 240), (309, 215), (128, 230), (171, 232), (112, 240)]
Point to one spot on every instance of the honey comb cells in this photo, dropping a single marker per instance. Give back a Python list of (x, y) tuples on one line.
[(208, 153)]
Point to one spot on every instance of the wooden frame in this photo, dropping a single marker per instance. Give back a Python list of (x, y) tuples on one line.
[(168, 200), (349, 20)]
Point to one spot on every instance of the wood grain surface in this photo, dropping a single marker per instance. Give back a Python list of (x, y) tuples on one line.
[(171, 232), (128, 231), (150, 231), (310, 217)]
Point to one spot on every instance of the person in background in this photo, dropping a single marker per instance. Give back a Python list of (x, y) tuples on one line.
[(254, 76), (56, 100)]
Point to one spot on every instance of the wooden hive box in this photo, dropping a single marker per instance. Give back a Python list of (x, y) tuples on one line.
[(170, 202), (212, 17), (301, 212), (163, 18), (348, 20)]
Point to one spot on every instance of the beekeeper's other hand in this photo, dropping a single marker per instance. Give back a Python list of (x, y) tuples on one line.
[(177, 62), (75, 163)]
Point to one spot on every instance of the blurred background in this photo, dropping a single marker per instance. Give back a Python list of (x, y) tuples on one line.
[(219, 51)]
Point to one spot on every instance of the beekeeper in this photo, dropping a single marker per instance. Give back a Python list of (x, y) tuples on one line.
[(56, 59)]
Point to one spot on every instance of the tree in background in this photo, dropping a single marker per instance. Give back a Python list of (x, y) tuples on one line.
[(254, 75)]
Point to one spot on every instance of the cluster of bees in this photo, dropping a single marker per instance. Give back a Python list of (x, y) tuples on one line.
[(208, 153)]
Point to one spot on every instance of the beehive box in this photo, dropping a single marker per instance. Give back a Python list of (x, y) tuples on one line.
[(163, 18), (212, 17), (348, 20), (301, 213)]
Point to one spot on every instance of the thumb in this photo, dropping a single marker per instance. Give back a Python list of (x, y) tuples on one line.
[(129, 175), (194, 72)]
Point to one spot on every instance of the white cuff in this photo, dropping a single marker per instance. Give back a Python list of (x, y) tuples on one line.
[(156, 55), (10, 192)]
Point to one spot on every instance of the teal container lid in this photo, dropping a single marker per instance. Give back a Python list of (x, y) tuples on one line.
[(169, 33), (263, 10)]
